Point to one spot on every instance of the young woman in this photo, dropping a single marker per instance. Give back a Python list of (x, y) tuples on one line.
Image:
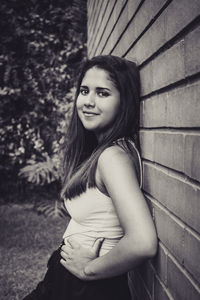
[(111, 230)]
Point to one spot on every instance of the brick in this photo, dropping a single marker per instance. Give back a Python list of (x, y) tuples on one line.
[(160, 291), (159, 263), (192, 156), (90, 12), (147, 144), (180, 284), (178, 151), (183, 106), (96, 10), (141, 113), (149, 43), (120, 26), (192, 207), (170, 233), (191, 253), (93, 16), (100, 28), (169, 66), (166, 69), (145, 272), (100, 15), (192, 50), (179, 14), (167, 148), (181, 241), (144, 294), (139, 287), (150, 205), (176, 194), (154, 111), (133, 282), (179, 107), (173, 19), (111, 23), (90, 7), (146, 77), (106, 50), (146, 13)]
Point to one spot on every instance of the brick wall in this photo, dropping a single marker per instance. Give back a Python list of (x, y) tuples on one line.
[(163, 37)]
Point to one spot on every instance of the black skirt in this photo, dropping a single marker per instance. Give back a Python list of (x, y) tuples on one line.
[(59, 284)]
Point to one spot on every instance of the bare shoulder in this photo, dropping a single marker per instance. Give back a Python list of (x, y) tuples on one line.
[(114, 162), (114, 156)]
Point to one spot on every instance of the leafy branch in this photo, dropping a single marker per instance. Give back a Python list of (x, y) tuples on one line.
[(42, 46)]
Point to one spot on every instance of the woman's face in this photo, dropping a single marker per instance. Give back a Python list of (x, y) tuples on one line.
[(98, 102)]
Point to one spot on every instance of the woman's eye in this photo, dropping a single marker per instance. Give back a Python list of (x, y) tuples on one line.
[(103, 94), (83, 92)]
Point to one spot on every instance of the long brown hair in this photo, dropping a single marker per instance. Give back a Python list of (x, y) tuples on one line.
[(81, 149)]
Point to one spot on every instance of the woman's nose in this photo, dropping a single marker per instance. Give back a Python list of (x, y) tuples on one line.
[(90, 100)]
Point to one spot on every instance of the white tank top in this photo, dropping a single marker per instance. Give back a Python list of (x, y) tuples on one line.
[(93, 215)]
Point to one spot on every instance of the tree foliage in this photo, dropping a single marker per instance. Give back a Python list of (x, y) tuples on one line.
[(42, 46)]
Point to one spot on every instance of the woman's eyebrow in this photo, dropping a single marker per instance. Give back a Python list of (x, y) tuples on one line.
[(102, 88), (98, 88)]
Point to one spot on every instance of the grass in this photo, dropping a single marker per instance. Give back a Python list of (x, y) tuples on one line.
[(26, 243)]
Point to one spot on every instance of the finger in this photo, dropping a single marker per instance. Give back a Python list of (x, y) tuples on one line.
[(63, 262), (67, 266), (73, 243), (97, 245), (66, 248), (64, 255)]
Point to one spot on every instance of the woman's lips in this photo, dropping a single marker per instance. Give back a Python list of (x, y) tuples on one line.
[(89, 113)]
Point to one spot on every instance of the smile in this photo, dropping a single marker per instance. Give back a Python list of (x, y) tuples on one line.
[(89, 114)]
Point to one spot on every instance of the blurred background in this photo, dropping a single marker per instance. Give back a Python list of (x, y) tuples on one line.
[(42, 46)]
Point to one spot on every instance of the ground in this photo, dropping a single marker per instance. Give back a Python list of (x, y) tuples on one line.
[(26, 242)]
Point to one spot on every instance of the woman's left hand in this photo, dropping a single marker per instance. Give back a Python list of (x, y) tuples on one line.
[(75, 257)]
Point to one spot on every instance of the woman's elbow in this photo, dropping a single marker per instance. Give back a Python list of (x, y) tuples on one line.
[(152, 249), (149, 247), (146, 247)]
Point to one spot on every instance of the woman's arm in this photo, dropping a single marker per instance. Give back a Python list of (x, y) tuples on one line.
[(117, 175)]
